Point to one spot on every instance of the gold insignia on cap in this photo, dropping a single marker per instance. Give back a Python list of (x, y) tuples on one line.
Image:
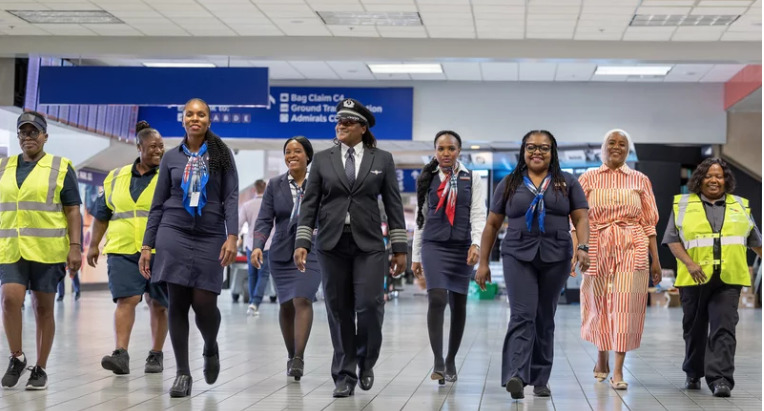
[(349, 103)]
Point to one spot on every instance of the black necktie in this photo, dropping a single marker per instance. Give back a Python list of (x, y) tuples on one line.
[(350, 167)]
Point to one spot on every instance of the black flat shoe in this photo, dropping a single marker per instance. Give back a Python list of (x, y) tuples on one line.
[(181, 387), (450, 375), (515, 388), (296, 370), (367, 380), (211, 367), (542, 391), (692, 383), (721, 389), (342, 390)]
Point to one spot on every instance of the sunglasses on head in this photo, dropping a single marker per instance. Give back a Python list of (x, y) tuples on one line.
[(347, 121)]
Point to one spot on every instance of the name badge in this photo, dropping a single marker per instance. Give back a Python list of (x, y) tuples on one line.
[(194, 199)]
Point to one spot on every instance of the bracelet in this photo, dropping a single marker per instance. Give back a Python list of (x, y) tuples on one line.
[(146, 248), (75, 244)]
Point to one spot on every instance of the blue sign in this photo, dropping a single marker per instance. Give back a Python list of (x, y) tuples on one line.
[(293, 111), (143, 86), (407, 179)]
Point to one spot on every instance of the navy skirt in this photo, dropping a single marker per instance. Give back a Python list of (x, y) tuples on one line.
[(188, 260), (290, 283), (445, 266)]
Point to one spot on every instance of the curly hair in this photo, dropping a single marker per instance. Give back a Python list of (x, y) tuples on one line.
[(425, 177), (143, 131), (221, 158), (515, 178), (696, 179)]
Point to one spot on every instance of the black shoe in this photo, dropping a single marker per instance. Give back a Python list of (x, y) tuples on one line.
[(273, 298), (542, 391), (515, 388), (12, 375), (181, 387), (367, 380), (77, 296), (60, 298), (297, 368), (289, 367), (438, 374), (118, 362), (721, 389), (235, 297), (342, 390), (211, 367), (38, 380), (154, 362), (450, 372), (692, 383)]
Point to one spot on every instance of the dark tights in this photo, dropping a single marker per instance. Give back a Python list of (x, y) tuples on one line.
[(205, 304), (296, 320), (438, 298)]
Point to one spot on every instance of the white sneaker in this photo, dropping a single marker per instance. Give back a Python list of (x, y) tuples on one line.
[(252, 310)]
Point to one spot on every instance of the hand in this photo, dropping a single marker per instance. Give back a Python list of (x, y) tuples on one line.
[(573, 266), (228, 252), (144, 264), (257, 258), (300, 256), (417, 269), (582, 258), (483, 276), (697, 274), (657, 273), (93, 253), (74, 259), (473, 255), (398, 264)]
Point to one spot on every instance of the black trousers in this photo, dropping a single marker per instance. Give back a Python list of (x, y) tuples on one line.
[(710, 354), (353, 282), (534, 289)]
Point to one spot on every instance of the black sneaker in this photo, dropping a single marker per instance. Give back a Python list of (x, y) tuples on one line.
[(154, 362), (118, 362), (16, 367), (38, 380), (77, 296)]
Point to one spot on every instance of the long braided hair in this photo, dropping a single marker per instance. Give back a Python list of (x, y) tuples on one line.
[(426, 176), (515, 178), (221, 158)]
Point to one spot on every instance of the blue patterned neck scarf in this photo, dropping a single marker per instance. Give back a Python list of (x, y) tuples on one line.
[(195, 177), (538, 201)]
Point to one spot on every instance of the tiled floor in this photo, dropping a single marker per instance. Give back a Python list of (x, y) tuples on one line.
[(253, 362)]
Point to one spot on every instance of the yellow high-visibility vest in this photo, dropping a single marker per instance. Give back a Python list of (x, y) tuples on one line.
[(32, 220), (698, 238), (129, 217)]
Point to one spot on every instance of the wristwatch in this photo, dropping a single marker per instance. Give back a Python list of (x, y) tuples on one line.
[(583, 247)]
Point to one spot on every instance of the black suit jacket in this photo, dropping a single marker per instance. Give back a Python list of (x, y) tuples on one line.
[(328, 198), (276, 208)]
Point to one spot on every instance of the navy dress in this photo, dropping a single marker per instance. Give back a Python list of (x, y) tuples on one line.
[(277, 208), (445, 247), (188, 247), (536, 265)]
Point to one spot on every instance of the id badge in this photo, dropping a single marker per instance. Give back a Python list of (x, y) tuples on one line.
[(194, 202)]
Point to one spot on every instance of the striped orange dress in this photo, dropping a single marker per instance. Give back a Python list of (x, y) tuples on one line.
[(622, 215)]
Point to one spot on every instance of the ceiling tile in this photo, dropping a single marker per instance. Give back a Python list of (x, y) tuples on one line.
[(549, 35), (688, 72), (278, 70), (552, 10), (746, 23), (648, 33), (742, 36), (354, 31), (574, 71), (392, 77), (698, 33), (464, 71), (725, 3), (602, 36), (444, 8), (66, 29), (537, 71), (66, 6), (445, 33), (609, 79), (434, 76), (664, 10), (337, 6), (666, 3), (499, 71), (391, 7), (718, 11), (318, 70), (302, 27), (644, 79), (501, 34), (113, 29), (508, 9), (351, 70), (720, 73), (401, 32)]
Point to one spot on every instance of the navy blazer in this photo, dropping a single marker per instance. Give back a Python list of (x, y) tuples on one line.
[(554, 244), (277, 208), (328, 198)]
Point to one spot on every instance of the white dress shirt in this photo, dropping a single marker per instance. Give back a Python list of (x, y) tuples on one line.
[(358, 154), (477, 214), (292, 188)]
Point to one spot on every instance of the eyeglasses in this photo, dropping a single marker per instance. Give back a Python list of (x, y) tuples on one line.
[(33, 134), (346, 122), (544, 148)]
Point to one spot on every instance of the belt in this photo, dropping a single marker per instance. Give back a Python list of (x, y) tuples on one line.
[(346, 229)]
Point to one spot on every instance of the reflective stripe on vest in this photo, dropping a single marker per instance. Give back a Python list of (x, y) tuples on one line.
[(129, 217)]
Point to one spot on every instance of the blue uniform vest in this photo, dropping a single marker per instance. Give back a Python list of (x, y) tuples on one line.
[(436, 225)]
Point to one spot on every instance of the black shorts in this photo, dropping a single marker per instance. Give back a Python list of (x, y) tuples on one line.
[(36, 276), (125, 280)]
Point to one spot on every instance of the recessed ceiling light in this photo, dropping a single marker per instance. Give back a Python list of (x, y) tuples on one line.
[(671, 20), (176, 64), (362, 18), (406, 68), (474, 147), (632, 70), (66, 16)]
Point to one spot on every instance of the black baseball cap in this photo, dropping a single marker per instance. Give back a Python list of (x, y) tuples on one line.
[(34, 118)]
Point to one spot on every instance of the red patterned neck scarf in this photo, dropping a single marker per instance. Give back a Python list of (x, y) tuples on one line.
[(448, 194)]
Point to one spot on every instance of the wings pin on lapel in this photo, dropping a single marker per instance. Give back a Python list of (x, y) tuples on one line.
[(376, 172)]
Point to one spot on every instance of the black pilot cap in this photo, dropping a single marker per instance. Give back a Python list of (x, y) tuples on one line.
[(352, 108)]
